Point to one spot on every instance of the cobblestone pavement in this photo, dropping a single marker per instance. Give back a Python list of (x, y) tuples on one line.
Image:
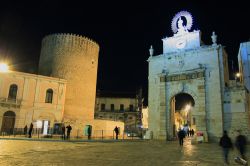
[(111, 153)]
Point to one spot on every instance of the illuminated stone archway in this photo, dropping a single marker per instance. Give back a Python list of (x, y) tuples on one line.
[(171, 87), (182, 105), (187, 66)]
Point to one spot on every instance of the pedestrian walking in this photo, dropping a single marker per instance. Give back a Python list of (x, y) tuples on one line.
[(192, 132), (30, 129), (89, 132), (181, 136), (69, 128), (63, 132), (25, 130), (226, 144), (116, 132), (240, 144)]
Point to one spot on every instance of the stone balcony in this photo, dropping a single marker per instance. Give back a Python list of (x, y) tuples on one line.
[(10, 103)]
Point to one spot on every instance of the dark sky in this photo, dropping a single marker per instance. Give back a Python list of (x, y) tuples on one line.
[(123, 29)]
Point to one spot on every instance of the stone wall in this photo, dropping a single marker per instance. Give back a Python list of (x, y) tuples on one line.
[(236, 111)]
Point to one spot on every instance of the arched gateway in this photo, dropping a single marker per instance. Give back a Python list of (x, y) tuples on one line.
[(187, 67), (170, 86), (181, 107)]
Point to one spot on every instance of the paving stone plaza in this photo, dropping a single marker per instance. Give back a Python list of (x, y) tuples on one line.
[(111, 153)]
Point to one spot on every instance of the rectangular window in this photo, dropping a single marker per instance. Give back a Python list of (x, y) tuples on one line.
[(102, 107), (131, 107), (121, 107), (49, 96), (193, 121), (112, 106)]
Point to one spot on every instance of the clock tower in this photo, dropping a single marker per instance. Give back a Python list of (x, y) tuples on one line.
[(186, 84), (182, 39)]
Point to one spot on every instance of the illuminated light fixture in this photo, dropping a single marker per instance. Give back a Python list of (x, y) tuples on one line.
[(238, 75), (4, 67), (188, 107)]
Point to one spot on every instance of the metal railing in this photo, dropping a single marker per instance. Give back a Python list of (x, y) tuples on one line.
[(56, 134)]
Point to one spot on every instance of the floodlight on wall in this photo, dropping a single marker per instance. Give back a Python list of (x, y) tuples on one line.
[(4, 68)]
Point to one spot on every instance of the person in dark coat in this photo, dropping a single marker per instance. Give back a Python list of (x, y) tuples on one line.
[(240, 144), (116, 132), (89, 132), (63, 132), (192, 132), (30, 129), (69, 128), (226, 144), (181, 136)]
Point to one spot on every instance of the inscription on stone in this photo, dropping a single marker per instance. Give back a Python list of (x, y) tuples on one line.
[(178, 77)]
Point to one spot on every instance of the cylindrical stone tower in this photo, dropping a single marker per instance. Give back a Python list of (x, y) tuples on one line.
[(74, 58)]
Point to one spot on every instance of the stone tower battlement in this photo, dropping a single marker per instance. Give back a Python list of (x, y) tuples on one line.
[(73, 41), (65, 44), (74, 58)]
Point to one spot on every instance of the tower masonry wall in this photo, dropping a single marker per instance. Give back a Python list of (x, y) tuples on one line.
[(74, 58)]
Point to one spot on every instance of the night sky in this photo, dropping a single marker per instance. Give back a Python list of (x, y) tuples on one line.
[(123, 29)]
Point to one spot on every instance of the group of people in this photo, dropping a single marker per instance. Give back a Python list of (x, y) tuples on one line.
[(63, 129), (30, 130), (89, 132), (182, 133), (69, 128), (190, 133), (226, 144)]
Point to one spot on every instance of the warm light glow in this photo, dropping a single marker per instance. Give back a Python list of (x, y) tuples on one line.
[(4, 67), (188, 107), (237, 74)]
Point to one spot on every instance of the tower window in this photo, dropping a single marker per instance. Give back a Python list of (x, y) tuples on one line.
[(131, 107), (49, 96), (102, 107), (12, 92), (121, 107), (112, 106), (194, 121)]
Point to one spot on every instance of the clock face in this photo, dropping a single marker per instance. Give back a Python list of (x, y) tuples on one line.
[(180, 44)]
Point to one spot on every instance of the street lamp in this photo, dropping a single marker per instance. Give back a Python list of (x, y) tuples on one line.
[(237, 77), (4, 68)]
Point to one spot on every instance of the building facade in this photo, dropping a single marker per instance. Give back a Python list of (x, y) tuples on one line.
[(63, 92), (121, 107), (187, 67), (26, 98)]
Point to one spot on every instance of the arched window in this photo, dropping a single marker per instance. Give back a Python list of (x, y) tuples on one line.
[(49, 96), (12, 92)]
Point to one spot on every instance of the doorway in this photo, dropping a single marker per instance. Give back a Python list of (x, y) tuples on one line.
[(44, 125), (8, 123), (182, 105)]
